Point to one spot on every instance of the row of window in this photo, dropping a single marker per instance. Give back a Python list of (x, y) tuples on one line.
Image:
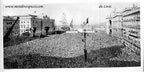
[(22, 31), (15, 32), (16, 27), (24, 26), (132, 17), (9, 23), (21, 22), (13, 28), (24, 21)]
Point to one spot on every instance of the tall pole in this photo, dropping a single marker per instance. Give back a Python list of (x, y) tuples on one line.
[(41, 26), (85, 50)]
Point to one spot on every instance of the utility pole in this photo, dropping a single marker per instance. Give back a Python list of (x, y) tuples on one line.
[(85, 50), (84, 34)]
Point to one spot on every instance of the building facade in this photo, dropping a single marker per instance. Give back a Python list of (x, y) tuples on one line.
[(7, 23), (126, 26), (47, 22), (114, 22), (131, 28), (26, 23)]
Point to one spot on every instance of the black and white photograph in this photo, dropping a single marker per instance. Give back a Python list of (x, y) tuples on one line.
[(71, 35)]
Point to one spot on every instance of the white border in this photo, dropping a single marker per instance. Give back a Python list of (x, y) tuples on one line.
[(106, 69)]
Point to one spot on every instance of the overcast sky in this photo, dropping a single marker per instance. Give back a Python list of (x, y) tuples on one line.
[(76, 11)]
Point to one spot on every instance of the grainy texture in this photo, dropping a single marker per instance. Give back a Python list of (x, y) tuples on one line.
[(66, 50)]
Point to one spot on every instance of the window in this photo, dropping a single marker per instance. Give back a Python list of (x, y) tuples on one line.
[(9, 22), (24, 26), (16, 27), (21, 26), (28, 26), (7, 28)]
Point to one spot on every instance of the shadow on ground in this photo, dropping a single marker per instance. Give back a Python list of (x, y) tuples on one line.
[(56, 32), (96, 58), (18, 40)]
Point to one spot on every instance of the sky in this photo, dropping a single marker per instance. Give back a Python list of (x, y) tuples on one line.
[(79, 12)]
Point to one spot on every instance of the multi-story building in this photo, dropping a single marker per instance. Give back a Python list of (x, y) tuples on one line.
[(47, 22), (114, 24), (126, 26), (131, 28), (26, 23), (7, 23)]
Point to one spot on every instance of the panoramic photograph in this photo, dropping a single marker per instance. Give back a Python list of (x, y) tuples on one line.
[(71, 35)]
